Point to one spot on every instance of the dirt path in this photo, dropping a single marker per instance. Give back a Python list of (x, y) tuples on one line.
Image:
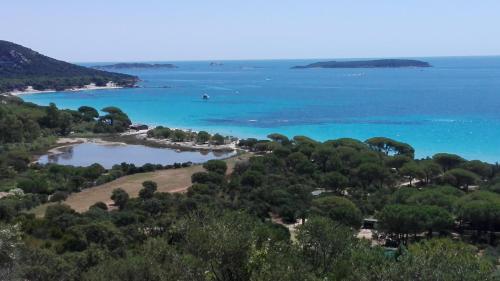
[(173, 180)]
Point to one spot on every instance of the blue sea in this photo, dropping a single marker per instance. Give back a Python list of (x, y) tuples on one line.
[(453, 106)]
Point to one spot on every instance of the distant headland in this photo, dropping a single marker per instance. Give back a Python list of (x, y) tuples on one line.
[(135, 65), (382, 63), (22, 69)]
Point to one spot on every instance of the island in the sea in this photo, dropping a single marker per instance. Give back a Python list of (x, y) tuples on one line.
[(135, 65), (381, 63), (22, 68)]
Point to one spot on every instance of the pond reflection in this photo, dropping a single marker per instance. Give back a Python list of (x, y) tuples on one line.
[(107, 155)]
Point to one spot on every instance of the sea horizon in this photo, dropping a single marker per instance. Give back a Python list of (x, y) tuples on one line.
[(87, 63)]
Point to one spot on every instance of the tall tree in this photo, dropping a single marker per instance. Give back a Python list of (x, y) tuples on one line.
[(120, 197), (324, 243), (447, 160)]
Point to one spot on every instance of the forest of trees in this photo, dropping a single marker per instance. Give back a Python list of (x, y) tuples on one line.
[(438, 218), (177, 135), (27, 130)]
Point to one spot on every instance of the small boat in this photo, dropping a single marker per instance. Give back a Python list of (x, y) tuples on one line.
[(206, 97)]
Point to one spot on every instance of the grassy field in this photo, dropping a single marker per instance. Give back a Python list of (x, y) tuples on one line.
[(173, 180)]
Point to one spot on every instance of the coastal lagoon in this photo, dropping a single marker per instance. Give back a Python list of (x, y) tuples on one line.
[(86, 154), (453, 106)]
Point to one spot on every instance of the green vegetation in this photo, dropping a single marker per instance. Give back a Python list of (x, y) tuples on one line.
[(27, 129), (177, 135), (21, 67), (438, 218)]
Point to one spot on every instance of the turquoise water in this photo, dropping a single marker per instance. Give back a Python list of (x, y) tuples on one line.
[(453, 106), (86, 154)]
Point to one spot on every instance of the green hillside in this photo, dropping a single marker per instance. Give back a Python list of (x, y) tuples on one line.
[(21, 67)]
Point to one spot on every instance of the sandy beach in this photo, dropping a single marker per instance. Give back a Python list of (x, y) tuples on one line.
[(92, 86), (190, 145), (68, 141)]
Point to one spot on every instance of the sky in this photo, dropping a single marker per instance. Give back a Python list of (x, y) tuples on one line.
[(154, 30)]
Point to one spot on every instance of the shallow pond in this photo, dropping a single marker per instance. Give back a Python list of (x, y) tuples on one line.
[(107, 155)]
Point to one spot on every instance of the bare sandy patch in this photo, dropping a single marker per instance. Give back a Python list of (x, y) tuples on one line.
[(172, 181)]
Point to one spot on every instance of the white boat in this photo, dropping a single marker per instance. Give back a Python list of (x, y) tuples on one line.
[(206, 97)]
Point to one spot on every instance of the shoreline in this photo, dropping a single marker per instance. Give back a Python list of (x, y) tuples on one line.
[(62, 143), (141, 137), (29, 90), (65, 142)]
